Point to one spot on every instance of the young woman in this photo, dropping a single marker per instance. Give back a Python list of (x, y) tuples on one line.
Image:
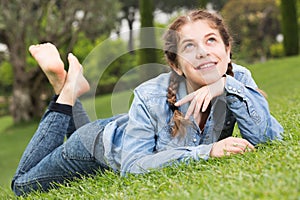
[(188, 113)]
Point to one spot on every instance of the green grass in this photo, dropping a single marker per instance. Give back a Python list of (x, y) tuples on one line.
[(12, 143), (271, 172)]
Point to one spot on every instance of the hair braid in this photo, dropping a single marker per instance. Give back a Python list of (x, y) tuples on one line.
[(178, 118), (230, 69)]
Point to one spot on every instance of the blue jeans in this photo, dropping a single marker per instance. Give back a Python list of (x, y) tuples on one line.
[(48, 159)]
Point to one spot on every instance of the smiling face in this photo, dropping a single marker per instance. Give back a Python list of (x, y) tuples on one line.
[(202, 56)]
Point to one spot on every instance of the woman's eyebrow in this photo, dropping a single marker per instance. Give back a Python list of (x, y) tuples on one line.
[(191, 40), (210, 34), (185, 40)]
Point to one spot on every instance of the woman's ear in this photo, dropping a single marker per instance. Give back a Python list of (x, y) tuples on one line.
[(228, 50), (176, 69)]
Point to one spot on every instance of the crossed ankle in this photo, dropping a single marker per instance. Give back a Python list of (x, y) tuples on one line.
[(61, 108)]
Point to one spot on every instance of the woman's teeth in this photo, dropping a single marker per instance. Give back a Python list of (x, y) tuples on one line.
[(205, 66)]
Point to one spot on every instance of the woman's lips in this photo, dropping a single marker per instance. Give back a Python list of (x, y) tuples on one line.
[(206, 66)]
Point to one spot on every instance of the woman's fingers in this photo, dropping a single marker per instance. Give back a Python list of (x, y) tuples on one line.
[(185, 99), (236, 149), (231, 145), (240, 142), (191, 109), (199, 99), (196, 105), (206, 102)]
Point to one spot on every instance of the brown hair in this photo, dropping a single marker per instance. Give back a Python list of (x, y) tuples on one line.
[(171, 39)]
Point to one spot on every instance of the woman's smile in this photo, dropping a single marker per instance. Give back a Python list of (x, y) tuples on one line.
[(206, 66)]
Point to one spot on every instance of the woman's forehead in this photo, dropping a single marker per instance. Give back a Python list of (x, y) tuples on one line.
[(198, 28)]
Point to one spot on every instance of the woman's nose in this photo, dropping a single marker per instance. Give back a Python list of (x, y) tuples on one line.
[(201, 52)]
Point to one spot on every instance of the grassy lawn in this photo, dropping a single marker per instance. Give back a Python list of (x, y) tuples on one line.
[(271, 172)]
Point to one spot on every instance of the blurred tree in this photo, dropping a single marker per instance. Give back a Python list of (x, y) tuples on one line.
[(128, 12), (290, 28), (169, 6), (147, 54), (254, 26), (33, 21), (6, 78), (218, 4), (131, 7)]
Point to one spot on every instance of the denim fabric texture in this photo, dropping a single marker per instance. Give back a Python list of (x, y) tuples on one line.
[(140, 141)]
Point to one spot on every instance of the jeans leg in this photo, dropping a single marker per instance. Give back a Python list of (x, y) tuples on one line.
[(68, 161), (49, 135), (79, 118)]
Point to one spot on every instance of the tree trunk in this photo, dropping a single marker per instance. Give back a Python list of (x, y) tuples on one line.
[(147, 53), (290, 27), (130, 19)]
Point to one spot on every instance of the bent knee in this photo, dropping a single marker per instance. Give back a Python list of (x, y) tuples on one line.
[(21, 189)]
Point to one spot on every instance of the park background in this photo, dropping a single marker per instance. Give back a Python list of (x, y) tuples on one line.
[(266, 40)]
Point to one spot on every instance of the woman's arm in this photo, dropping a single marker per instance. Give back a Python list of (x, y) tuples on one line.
[(251, 109), (139, 153)]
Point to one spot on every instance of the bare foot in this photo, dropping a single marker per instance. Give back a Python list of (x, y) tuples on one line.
[(75, 84), (50, 62)]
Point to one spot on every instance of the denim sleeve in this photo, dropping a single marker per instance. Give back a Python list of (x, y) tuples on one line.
[(251, 109), (139, 153)]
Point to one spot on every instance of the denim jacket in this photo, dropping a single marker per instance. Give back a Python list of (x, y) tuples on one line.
[(140, 140)]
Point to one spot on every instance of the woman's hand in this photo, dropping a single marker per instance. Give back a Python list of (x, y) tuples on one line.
[(230, 145), (201, 98)]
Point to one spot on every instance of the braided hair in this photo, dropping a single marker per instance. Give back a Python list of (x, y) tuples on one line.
[(178, 118)]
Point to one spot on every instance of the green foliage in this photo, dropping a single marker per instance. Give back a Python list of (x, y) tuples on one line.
[(277, 50), (169, 6), (6, 83), (6, 75), (254, 27), (83, 47), (270, 172), (106, 63)]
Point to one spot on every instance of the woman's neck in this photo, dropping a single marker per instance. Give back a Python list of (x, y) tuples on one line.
[(203, 117), (190, 88)]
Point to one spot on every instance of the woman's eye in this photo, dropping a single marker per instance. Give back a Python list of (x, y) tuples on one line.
[(189, 46), (211, 40)]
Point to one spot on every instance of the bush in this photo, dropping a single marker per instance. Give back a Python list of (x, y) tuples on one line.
[(6, 80), (277, 50)]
